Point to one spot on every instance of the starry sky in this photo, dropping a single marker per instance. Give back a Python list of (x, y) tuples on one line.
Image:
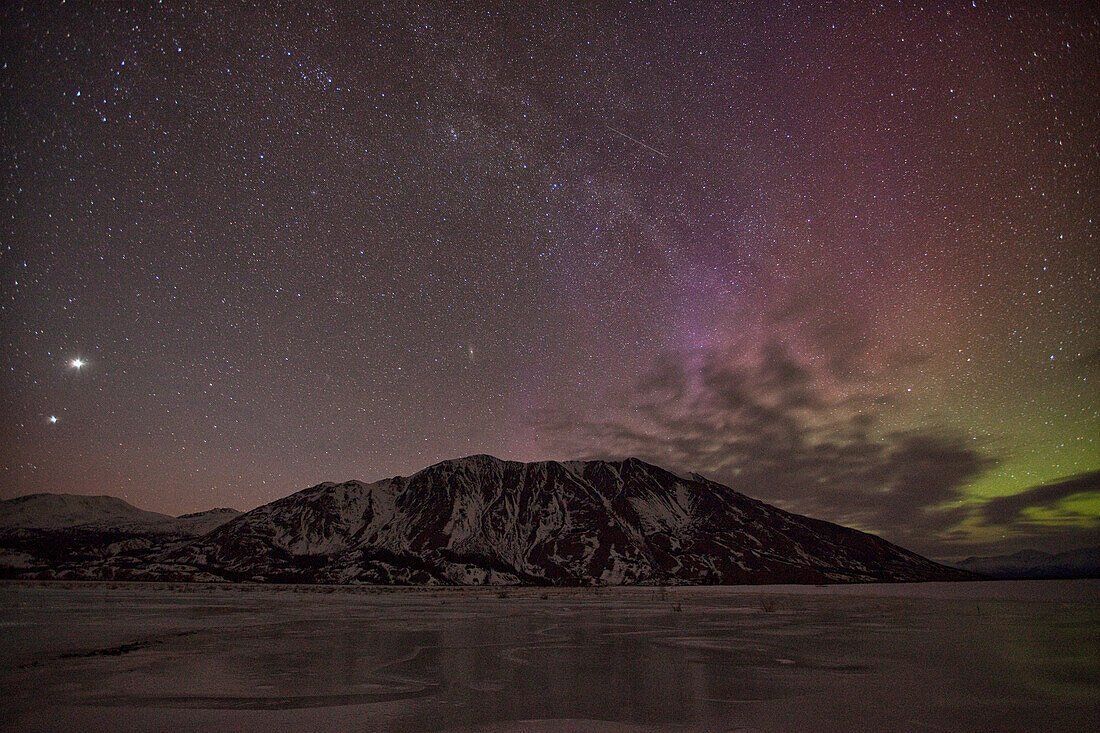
[(840, 256)]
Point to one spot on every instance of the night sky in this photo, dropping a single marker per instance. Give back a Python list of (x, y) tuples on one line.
[(843, 259)]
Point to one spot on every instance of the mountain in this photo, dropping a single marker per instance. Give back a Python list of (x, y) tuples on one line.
[(473, 520), (66, 511), (51, 534), (1083, 563), (482, 520), (199, 523), (101, 514)]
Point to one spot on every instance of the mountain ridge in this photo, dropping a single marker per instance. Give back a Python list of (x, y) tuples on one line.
[(1036, 564), (482, 520)]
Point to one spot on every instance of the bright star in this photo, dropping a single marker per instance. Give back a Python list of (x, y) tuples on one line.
[(77, 363), (53, 418)]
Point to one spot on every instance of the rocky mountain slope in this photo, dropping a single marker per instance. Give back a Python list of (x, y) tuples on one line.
[(482, 520)]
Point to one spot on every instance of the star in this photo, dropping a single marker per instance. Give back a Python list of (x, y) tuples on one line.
[(53, 418), (645, 259)]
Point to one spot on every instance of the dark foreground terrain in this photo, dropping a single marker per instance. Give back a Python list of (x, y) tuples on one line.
[(1021, 655)]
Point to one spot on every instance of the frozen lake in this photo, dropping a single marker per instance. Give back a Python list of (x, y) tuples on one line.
[(1018, 655)]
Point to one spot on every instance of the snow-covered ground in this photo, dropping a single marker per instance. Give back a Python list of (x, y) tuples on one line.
[(1022, 655)]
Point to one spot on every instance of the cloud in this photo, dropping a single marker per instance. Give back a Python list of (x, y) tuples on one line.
[(1011, 509), (792, 407), (767, 423)]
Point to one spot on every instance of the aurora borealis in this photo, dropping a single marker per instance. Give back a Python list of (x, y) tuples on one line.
[(842, 257)]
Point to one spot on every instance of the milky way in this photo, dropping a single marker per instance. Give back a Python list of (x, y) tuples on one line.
[(843, 259)]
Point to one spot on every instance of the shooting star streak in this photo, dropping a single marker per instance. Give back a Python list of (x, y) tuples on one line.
[(636, 140)]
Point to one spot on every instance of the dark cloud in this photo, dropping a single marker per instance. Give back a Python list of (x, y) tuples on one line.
[(839, 334), (1011, 509), (767, 426)]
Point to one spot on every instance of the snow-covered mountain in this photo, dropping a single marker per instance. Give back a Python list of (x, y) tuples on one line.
[(199, 523), (67, 511), (482, 520), (64, 535), (1083, 563), (101, 514), (473, 520)]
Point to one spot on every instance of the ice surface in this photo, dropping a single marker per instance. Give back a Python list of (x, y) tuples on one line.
[(955, 656)]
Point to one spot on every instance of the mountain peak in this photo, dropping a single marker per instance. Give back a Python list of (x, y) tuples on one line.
[(101, 514), (73, 510), (480, 519)]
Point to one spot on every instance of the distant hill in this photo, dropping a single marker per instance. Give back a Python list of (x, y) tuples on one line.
[(46, 535), (1025, 564), (101, 514), (481, 520), (67, 511)]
